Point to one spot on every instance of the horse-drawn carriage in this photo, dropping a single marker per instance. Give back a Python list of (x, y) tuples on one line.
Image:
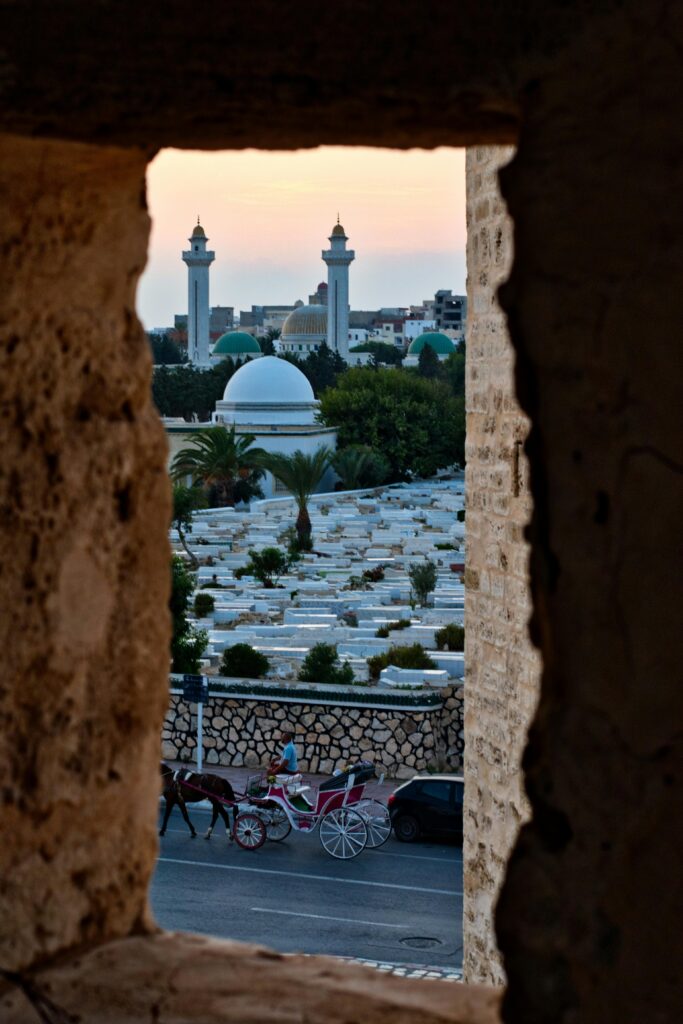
[(271, 806)]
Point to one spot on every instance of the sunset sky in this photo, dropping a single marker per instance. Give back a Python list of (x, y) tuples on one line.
[(268, 216)]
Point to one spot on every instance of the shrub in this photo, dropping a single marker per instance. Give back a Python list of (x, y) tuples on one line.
[(384, 631), (460, 515), (267, 566), (373, 575), (446, 547), (450, 637), (400, 624), (321, 665), (422, 579), (350, 619), (413, 656), (204, 604), (243, 660), (187, 649)]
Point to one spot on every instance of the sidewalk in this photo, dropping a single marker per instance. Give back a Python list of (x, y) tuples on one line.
[(237, 778)]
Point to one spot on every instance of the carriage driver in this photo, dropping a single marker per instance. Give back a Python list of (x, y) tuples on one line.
[(286, 763)]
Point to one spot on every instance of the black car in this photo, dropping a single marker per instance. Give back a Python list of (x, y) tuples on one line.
[(428, 805)]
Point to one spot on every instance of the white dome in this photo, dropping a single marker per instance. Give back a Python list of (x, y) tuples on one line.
[(268, 379), (268, 391)]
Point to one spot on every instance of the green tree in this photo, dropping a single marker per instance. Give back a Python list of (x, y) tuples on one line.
[(165, 350), (360, 466), (453, 372), (267, 566), (185, 501), (382, 352), (187, 642), (242, 660), (450, 637), (322, 665), (218, 458), (422, 578), (321, 367), (188, 392), (267, 341), (413, 656), (300, 474), (416, 424), (428, 364), (204, 604)]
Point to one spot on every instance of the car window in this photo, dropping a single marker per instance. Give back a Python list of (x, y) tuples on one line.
[(438, 791), (459, 792)]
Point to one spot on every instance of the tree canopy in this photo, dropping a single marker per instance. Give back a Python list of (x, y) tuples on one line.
[(165, 350), (300, 474), (188, 392), (322, 368), (417, 424), (224, 462)]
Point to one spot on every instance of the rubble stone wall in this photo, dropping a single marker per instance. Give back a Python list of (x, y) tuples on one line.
[(244, 731), (502, 667)]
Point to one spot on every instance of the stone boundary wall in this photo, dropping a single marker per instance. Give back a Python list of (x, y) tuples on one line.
[(501, 665), (242, 730)]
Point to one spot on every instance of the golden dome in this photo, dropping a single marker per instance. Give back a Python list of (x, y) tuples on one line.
[(305, 322), (198, 231), (338, 230)]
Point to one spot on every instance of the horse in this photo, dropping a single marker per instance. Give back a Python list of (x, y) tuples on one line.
[(182, 786)]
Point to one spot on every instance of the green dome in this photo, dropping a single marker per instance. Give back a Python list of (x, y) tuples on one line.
[(236, 343), (441, 343)]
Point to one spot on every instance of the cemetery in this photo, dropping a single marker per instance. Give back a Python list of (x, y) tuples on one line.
[(392, 663)]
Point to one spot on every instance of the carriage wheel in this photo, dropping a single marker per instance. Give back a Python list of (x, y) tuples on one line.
[(278, 827), (377, 820), (250, 832), (343, 833)]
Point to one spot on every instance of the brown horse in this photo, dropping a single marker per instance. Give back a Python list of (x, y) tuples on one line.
[(182, 786)]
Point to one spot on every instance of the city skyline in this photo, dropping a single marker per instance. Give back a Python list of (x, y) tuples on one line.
[(268, 215)]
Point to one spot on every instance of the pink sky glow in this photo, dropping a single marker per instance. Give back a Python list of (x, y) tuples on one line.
[(268, 215)]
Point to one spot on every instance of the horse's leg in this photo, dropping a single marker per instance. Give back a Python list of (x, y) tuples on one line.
[(170, 801), (214, 819), (229, 827), (186, 816)]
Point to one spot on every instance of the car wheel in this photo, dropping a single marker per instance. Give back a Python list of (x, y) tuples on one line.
[(407, 828)]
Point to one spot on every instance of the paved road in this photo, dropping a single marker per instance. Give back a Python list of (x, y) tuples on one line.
[(293, 897)]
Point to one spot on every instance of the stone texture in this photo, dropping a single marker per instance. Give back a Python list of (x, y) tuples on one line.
[(336, 733), (589, 918), (187, 979), (84, 581), (502, 667)]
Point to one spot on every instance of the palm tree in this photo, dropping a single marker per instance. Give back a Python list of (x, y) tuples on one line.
[(218, 458), (360, 466), (300, 474)]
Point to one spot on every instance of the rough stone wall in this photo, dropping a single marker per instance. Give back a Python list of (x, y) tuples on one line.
[(83, 580), (502, 667), (589, 915), (239, 731)]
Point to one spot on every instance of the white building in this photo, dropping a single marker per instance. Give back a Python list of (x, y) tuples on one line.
[(273, 400), (198, 260), (412, 329), (338, 259)]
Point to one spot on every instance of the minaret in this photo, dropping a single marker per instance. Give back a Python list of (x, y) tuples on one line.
[(338, 258), (198, 261)]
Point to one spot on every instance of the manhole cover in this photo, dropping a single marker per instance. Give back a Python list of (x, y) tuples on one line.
[(420, 942)]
